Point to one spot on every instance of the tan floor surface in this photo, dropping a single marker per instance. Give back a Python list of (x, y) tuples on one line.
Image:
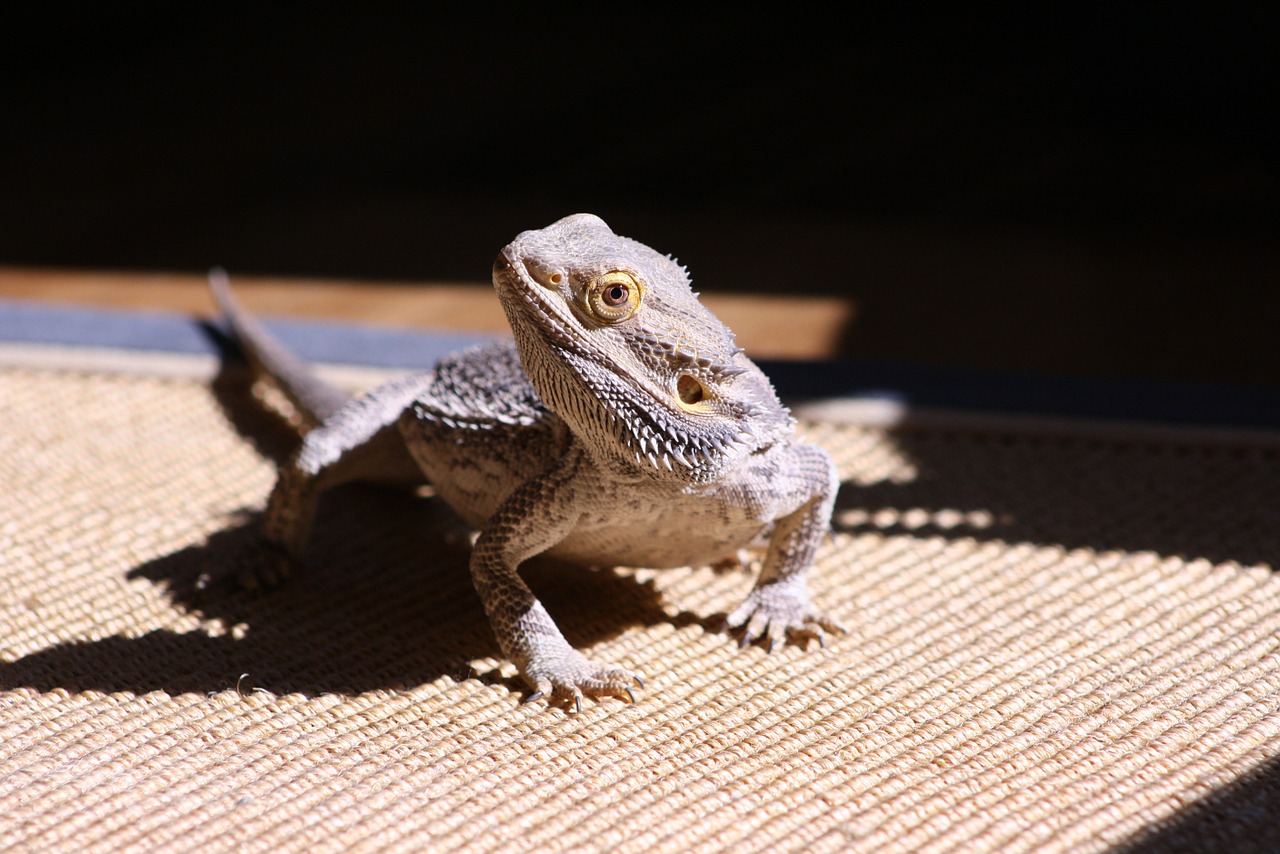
[(1054, 643)]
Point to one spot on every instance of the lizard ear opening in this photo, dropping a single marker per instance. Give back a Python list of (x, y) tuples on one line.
[(691, 391)]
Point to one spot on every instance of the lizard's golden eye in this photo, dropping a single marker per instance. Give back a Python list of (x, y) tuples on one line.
[(613, 297)]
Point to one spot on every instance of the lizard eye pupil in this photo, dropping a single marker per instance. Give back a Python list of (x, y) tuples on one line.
[(616, 295)]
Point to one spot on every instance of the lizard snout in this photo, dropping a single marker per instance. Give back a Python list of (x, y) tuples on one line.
[(501, 266)]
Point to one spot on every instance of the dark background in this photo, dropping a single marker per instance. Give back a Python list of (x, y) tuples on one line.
[(1075, 192)]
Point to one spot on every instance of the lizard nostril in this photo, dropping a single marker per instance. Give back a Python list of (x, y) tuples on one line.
[(548, 278)]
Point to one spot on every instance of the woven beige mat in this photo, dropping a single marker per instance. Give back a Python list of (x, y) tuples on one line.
[(1055, 643)]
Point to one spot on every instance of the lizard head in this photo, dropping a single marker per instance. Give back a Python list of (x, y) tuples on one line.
[(617, 344)]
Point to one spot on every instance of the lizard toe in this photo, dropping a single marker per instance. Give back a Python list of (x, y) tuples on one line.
[(262, 565), (776, 616)]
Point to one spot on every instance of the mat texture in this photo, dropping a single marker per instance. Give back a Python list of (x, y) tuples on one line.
[(1054, 643)]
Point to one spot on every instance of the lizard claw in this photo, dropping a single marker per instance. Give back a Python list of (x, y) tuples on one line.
[(573, 676)]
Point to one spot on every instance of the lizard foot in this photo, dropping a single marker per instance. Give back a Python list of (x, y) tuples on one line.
[(262, 565), (778, 611), (572, 675), (252, 568)]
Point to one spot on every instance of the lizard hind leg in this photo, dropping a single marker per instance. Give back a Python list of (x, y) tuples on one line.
[(360, 442)]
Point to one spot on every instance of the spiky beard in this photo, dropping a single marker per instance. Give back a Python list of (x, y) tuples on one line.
[(623, 423)]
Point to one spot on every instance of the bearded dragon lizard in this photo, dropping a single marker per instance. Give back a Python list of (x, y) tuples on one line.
[(622, 427)]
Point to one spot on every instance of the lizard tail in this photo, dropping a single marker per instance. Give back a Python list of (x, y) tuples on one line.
[(314, 398)]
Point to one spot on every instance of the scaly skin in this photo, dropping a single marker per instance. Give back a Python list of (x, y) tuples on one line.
[(622, 428)]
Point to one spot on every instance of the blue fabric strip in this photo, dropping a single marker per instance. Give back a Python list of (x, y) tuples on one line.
[(911, 385)]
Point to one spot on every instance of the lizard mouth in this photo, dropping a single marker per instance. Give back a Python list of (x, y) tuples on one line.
[(504, 270)]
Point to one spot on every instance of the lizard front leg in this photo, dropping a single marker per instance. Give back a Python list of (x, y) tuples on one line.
[(535, 517), (779, 605)]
